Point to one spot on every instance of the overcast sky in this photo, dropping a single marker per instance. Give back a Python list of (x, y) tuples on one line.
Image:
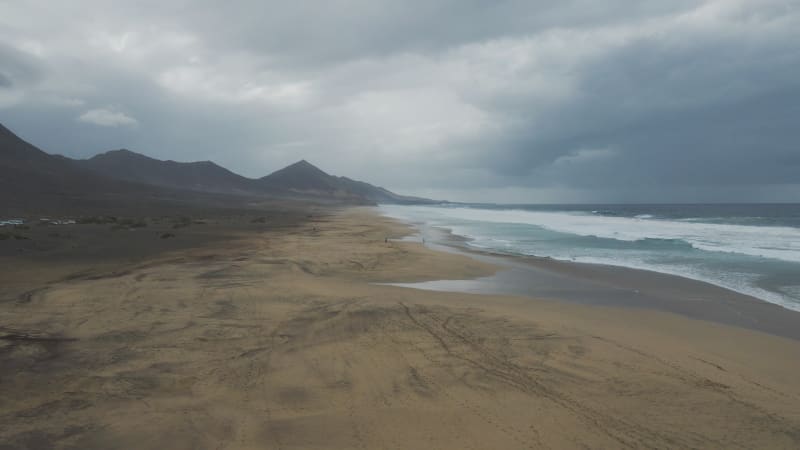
[(506, 101)]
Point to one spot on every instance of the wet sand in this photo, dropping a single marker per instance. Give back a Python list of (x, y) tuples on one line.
[(280, 338), (597, 284)]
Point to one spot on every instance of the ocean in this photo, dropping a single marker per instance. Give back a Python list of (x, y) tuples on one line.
[(753, 249)]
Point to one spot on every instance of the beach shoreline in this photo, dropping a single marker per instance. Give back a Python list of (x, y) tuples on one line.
[(603, 284), (745, 248), (279, 336)]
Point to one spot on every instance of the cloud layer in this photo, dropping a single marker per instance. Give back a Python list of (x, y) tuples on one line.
[(107, 118), (515, 101)]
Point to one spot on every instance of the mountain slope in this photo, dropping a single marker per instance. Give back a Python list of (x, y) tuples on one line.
[(31, 177), (32, 181), (378, 194), (202, 176), (17, 154), (303, 177), (27, 173)]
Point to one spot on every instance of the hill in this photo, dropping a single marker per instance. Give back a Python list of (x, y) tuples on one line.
[(304, 178), (31, 178), (32, 182), (204, 176), (299, 180)]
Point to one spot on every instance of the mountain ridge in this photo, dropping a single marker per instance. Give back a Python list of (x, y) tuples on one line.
[(26, 167), (31, 179), (204, 176), (304, 176)]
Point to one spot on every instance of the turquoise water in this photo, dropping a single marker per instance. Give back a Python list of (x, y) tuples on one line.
[(752, 249)]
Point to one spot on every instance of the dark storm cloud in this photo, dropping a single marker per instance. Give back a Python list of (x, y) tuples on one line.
[(18, 64), (752, 141), (18, 72), (656, 112), (5, 81), (510, 100), (327, 32)]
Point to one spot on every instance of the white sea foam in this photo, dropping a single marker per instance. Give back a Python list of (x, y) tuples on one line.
[(505, 231), (782, 243), (738, 282)]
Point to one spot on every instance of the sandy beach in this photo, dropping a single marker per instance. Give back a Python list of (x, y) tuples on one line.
[(277, 334), (606, 285)]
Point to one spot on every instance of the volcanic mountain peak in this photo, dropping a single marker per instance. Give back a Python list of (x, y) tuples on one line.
[(24, 165)]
